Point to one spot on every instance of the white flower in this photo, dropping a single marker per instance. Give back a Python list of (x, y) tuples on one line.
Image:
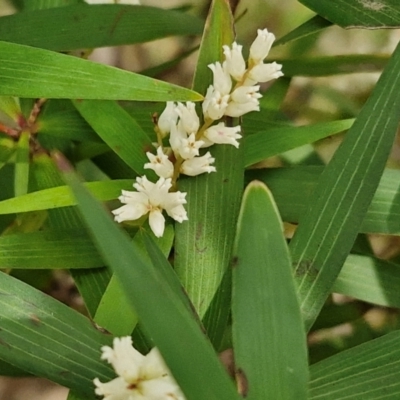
[(246, 94), (160, 164), (261, 46), (188, 117), (132, 2), (263, 73), (151, 198), (189, 147), (222, 134), (235, 109), (167, 117), (222, 81), (235, 63), (177, 134), (214, 104), (198, 165), (140, 377)]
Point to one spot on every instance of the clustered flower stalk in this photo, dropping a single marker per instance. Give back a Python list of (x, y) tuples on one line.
[(234, 92)]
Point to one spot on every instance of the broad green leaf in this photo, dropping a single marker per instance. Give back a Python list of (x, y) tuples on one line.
[(313, 25), (325, 66), (50, 249), (21, 178), (379, 283), (160, 308), (30, 5), (268, 333), (292, 188), (343, 194), (83, 26), (368, 371), (358, 13), (118, 130), (275, 141), (30, 72), (203, 244), (46, 338), (61, 196)]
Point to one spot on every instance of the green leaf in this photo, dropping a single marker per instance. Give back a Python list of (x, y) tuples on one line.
[(274, 141), (46, 338), (358, 13), (203, 245), (83, 26), (160, 308), (368, 371), (268, 334), (49, 249), (326, 66), (30, 5), (61, 196), (313, 25), (379, 284), (343, 194), (29, 72), (119, 130), (292, 188)]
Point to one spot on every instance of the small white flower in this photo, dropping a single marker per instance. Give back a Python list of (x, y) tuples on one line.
[(160, 164), (189, 147), (198, 165), (235, 109), (188, 117), (214, 104), (167, 117), (151, 198), (176, 135), (245, 94), (222, 134), (140, 377), (263, 73), (261, 46), (235, 63), (222, 81)]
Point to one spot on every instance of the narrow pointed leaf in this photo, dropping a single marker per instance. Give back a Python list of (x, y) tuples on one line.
[(30, 72), (268, 334), (159, 307), (343, 194)]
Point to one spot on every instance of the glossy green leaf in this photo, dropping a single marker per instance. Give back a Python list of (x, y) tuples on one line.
[(30, 72), (313, 25), (275, 141), (343, 194), (326, 66), (358, 13), (119, 130), (368, 371), (83, 26), (268, 333), (159, 307), (46, 338), (203, 244), (61, 196), (369, 279), (49, 249), (292, 188)]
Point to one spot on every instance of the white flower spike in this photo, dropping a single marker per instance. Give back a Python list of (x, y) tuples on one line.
[(160, 164), (140, 377), (151, 198)]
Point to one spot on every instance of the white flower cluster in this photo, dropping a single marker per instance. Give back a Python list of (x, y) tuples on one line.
[(234, 92), (140, 377)]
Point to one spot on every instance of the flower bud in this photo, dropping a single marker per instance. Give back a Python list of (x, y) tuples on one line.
[(235, 64), (198, 165), (167, 117), (222, 134), (222, 81), (261, 46), (264, 73)]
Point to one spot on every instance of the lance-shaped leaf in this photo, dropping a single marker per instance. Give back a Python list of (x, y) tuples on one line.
[(343, 194), (35, 73), (368, 371), (83, 26), (46, 338), (358, 13), (160, 308), (203, 244), (268, 334)]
